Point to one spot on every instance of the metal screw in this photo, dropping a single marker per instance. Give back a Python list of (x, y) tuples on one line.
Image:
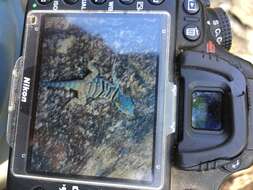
[(158, 167), (235, 165), (23, 156)]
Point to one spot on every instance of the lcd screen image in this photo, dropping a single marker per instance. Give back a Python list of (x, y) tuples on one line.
[(95, 113)]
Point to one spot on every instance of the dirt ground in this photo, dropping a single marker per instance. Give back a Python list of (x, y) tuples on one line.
[(241, 15)]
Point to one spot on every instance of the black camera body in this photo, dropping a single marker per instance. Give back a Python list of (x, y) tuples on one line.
[(201, 112)]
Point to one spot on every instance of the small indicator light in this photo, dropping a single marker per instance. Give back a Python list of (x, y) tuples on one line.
[(34, 5), (210, 47)]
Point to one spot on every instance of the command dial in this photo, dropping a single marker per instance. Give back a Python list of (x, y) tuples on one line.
[(220, 27)]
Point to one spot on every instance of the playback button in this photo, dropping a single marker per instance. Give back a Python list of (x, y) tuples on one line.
[(191, 32), (191, 6)]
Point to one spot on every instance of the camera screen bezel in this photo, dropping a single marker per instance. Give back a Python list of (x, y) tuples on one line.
[(165, 96)]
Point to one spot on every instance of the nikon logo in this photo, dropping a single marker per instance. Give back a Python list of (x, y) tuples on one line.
[(25, 89)]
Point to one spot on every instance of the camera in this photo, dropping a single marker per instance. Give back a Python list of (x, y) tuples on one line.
[(128, 94)]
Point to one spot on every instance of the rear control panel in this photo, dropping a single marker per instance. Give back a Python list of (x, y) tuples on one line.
[(190, 29)]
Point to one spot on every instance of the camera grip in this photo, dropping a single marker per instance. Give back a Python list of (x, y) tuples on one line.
[(221, 168), (247, 69), (250, 114)]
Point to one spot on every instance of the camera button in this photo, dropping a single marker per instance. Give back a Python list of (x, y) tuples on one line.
[(156, 2), (71, 2), (38, 188), (98, 2), (44, 2), (191, 32), (127, 2), (191, 6)]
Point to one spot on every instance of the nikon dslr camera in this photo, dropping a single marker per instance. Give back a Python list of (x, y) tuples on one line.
[(128, 94)]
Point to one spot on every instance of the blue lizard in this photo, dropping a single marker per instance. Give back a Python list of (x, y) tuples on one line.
[(93, 86)]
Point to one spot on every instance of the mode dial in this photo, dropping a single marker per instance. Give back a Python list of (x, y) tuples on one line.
[(220, 27)]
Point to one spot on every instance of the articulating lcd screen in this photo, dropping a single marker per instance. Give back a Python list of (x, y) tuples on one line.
[(96, 97)]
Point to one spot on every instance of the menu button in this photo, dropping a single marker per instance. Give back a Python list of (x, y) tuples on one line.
[(192, 32)]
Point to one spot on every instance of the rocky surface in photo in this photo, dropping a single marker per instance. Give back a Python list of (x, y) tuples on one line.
[(241, 16)]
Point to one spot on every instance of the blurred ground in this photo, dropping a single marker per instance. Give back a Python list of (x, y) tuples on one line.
[(241, 15)]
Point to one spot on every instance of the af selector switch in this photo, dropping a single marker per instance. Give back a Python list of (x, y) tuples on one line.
[(220, 27)]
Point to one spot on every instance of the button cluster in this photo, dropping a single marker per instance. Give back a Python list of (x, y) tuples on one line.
[(100, 2), (191, 31)]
